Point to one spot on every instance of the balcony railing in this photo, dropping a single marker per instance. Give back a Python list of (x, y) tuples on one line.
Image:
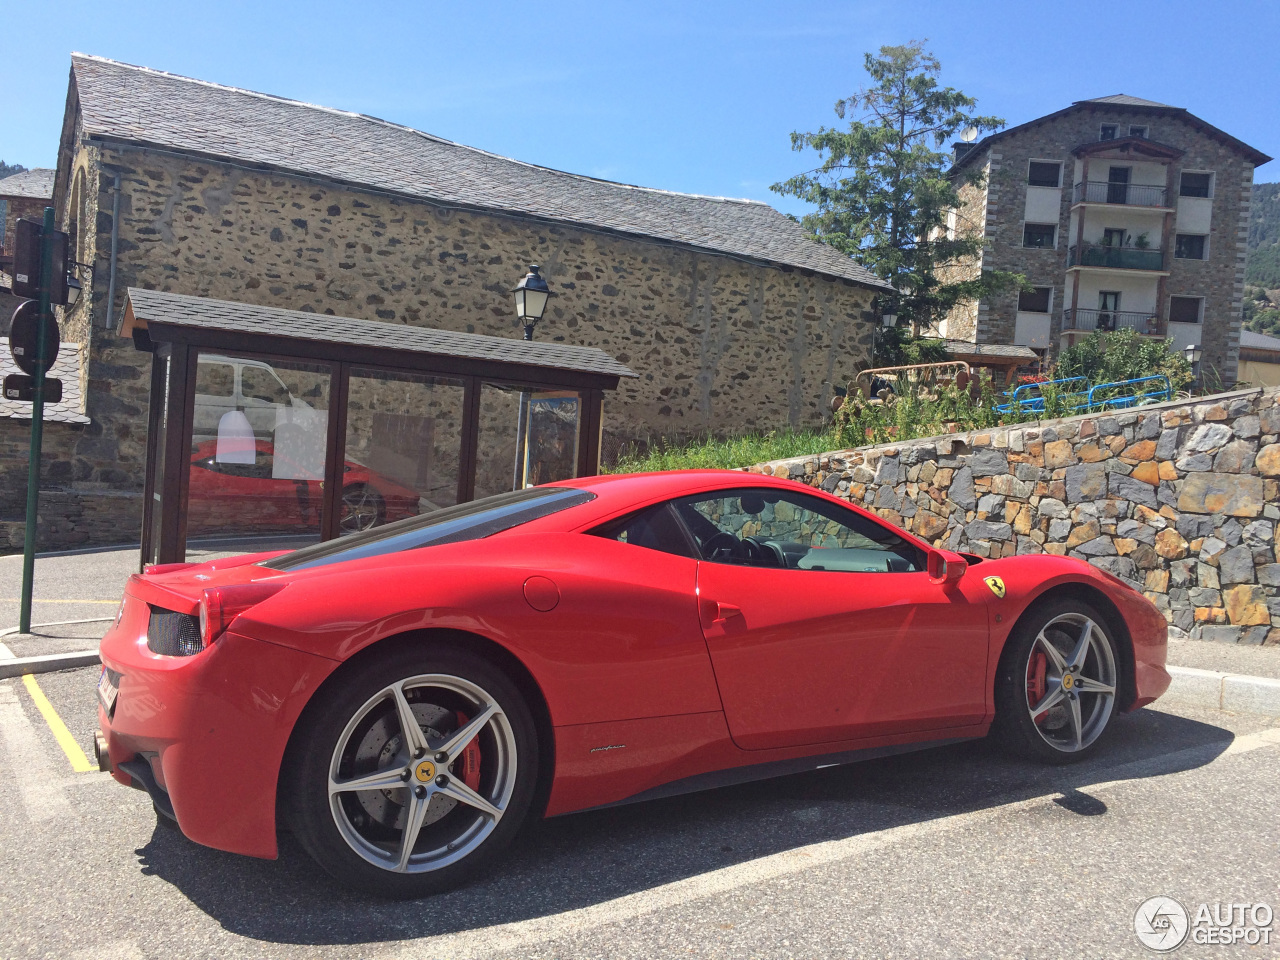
[(1133, 194), (1119, 258), (1142, 321)]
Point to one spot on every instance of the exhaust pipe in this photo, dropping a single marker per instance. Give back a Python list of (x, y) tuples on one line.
[(100, 751)]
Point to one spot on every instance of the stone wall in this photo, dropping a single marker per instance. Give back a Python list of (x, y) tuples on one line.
[(1182, 500)]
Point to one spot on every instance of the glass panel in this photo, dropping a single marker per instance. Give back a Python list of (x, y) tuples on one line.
[(156, 447), (465, 521), (258, 447), (404, 441), (496, 442), (769, 528), (552, 429)]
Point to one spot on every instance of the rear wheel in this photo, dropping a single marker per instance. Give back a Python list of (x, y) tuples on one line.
[(414, 772), (1056, 686), (362, 508)]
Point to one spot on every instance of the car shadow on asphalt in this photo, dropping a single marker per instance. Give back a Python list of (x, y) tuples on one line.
[(589, 858)]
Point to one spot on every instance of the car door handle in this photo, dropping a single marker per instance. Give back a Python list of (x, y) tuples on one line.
[(726, 610)]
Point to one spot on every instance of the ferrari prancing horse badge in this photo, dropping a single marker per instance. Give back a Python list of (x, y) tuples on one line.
[(996, 585)]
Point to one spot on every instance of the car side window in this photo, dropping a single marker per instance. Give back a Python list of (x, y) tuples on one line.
[(655, 528), (773, 528)]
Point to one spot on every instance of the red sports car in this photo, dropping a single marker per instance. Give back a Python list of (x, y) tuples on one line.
[(403, 698), (231, 497)]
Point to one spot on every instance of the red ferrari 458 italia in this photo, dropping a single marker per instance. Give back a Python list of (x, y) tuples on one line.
[(402, 699)]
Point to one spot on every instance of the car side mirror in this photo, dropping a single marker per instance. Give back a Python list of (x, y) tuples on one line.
[(946, 567)]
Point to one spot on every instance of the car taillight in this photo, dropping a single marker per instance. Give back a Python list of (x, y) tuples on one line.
[(220, 605)]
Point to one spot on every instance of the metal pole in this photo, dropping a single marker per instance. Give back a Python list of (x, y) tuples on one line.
[(37, 424), (517, 480)]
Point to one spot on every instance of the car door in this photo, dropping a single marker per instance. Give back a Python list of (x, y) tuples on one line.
[(823, 624)]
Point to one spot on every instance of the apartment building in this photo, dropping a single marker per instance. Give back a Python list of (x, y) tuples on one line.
[(1121, 213)]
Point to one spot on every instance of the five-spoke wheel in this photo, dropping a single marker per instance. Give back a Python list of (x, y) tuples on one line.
[(1056, 688), (429, 773)]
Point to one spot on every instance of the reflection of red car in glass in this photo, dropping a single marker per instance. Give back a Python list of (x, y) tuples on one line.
[(235, 497)]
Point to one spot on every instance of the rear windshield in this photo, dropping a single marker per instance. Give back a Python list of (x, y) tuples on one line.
[(466, 521)]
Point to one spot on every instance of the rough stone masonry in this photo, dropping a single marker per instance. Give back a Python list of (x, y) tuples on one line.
[(1182, 500)]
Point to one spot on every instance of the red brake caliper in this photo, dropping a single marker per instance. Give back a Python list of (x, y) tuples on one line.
[(1035, 681), (467, 766)]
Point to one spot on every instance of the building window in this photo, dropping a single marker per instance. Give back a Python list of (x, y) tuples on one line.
[(1035, 300), (1138, 132), (1038, 234), (1044, 173), (1189, 246), (1185, 309), (1196, 185), (1107, 132)]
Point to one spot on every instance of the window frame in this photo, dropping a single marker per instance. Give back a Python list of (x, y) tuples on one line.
[(1048, 300), (1145, 128), (1035, 246), (1204, 246), (1208, 195), (906, 541), (1056, 163), (1102, 130), (1199, 320)]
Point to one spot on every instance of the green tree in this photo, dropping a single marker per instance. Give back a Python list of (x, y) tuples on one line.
[(882, 189), (9, 169), (1123, 355)]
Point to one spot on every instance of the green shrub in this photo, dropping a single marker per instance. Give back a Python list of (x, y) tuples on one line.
[(1123, 355)]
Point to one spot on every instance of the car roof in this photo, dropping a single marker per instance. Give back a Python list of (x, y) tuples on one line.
[(624, 488)]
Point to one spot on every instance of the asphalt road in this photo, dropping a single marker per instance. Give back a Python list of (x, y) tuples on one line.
[(952, 852)]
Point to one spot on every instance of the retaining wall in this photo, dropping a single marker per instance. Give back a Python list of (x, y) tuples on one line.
[(1181, 499)]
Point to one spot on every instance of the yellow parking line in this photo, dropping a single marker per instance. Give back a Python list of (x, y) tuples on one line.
[(79, 762)]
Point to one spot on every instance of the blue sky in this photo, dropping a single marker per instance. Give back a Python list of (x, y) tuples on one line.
[(693, 96)]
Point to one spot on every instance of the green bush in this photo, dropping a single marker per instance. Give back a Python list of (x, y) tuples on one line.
[(1123, 355)]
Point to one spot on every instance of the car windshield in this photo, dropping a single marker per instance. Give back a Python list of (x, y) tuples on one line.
[(466, 521)]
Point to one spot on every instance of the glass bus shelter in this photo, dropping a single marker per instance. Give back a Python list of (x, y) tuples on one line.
[(273, 428)]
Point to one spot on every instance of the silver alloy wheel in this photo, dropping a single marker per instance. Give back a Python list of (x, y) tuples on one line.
[(394, 791), (359, 508), (1079, 682)]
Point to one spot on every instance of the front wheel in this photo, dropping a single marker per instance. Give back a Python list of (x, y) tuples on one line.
[(1056, 686), (414, 773)]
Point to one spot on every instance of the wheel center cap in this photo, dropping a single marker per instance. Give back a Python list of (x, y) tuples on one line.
[(1068, 681), (425, 771)]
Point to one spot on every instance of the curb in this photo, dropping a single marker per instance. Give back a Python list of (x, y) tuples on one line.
[(17, 666), (1223, 691)]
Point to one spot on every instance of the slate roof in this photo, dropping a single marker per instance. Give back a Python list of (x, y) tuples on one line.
[(1003, 351), (70, 409), (152, 306), (1258, 341), (1252, 154), (137, 105), (1124, 100), (37, 184)]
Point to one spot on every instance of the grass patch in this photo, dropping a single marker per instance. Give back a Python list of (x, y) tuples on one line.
[(724, 452)]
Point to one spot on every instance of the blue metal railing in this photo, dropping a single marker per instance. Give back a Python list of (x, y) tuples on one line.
[(1077, 396)]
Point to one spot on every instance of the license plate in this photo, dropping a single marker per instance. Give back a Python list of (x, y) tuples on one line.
[(108, 689)]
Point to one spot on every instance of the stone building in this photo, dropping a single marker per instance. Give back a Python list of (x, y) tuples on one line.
[(26, 195), (1121, 212), (730, 315)]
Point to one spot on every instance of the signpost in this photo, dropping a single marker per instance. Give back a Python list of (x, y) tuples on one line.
[(33, 340)]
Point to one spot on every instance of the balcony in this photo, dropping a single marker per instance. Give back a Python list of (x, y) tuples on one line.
[(1124, 194), (1144, 322), (1114, 257)]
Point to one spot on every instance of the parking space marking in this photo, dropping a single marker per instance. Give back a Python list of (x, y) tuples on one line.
[(39, 600), (39, 785), (79, 762)]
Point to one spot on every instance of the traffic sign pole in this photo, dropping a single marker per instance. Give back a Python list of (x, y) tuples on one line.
[(37, 423)]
